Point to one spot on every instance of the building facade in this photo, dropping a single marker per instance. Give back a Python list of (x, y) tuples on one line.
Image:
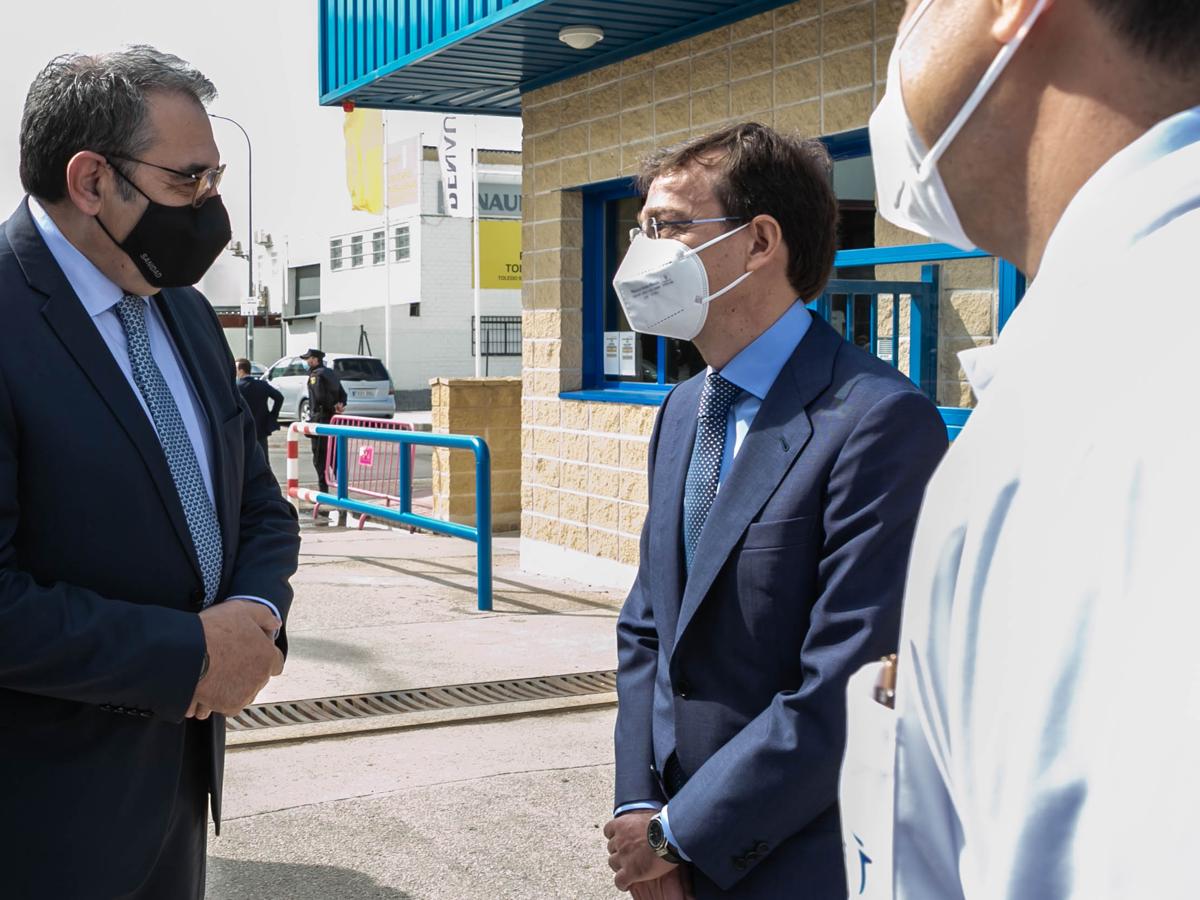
[(400, 286), (591, 387)]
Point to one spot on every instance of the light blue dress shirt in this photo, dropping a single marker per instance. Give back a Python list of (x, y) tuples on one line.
[(100, 297), (754, 370)]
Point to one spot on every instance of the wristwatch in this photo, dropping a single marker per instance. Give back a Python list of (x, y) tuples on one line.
[(656, 836), (203, 667)]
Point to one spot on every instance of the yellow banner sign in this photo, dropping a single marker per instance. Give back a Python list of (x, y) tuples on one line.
[(500, 254)]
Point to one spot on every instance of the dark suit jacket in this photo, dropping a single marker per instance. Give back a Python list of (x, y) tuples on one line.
[(100, 642), (263, 401), (741, 668)]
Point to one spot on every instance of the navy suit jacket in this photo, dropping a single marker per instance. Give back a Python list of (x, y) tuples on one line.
[(740, 669), (100, 641), (263, 401)]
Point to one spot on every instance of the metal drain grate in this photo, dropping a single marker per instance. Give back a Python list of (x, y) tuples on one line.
[(422, 700)]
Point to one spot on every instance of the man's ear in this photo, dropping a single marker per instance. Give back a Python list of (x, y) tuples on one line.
[(85, 171), (1010, 16), (766, 242)]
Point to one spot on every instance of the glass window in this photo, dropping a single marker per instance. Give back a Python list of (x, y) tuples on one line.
[(306, 290), (401, 243), (297, 367), (360, 368), (631, 357), (280, 368), (414, 310), (499, 335), (378, 248), (335, 253), (356, 251)]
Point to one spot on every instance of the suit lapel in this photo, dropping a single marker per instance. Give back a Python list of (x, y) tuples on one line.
[(670, 475), (779, 433), (65, 314)]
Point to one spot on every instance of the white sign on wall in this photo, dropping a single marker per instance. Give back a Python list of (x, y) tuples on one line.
[(629, 353), (612, 353)]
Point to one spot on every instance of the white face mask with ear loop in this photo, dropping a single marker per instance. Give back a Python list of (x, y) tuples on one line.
[(911, 192), (663, 286)]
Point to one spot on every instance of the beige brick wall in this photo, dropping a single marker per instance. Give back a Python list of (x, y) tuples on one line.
[(814, 66), (491, 409)]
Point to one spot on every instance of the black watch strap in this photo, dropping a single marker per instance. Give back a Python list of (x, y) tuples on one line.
[(203, 667)]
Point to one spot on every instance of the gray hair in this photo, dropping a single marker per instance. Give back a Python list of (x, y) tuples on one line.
[(98, 103)]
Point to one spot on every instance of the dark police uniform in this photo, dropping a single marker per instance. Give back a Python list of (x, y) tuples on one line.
[(325, 392)]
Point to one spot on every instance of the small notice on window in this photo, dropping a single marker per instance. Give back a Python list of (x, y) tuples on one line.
[(628, 353), (612, 353)]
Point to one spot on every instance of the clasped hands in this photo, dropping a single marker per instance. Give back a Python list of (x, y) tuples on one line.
[(242, 657), (639, 870)]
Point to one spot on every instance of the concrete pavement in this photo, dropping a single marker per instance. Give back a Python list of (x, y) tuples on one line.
[(509, 807)]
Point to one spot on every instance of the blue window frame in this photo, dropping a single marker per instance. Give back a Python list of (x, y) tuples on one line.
[(603, 205)]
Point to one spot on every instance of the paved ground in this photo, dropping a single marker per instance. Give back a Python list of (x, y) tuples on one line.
[(508, 808)]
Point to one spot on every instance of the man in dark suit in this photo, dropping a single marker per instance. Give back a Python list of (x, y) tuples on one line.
[(784, 486), (124, 642), (263, 401)]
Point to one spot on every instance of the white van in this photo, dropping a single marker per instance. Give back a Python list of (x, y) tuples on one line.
[(367, 384)]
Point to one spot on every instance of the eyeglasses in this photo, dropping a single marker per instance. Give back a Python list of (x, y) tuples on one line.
[(654, 228), (206, 182)]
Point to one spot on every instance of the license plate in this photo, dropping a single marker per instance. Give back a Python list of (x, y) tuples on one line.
[(362, 395)]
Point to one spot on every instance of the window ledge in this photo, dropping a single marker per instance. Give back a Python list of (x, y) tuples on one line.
[(643, 397)]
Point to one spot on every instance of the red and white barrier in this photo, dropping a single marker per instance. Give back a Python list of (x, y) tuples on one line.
[(294, 491)]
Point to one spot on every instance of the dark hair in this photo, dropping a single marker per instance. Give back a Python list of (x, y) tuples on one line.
[(243, 365), (1167, 32), (764, 172), (96, 103)]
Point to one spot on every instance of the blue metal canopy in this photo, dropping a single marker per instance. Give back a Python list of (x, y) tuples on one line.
[(476, 56)]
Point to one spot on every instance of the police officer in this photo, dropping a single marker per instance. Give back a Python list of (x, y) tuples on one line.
[(326, 398)]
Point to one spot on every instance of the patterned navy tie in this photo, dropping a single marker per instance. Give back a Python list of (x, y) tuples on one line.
[(704, 471), (177, 446)]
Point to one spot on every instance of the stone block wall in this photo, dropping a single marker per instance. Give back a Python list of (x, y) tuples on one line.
[(814, 66), (491, 409)]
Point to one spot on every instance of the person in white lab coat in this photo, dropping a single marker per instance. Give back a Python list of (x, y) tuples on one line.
[(1048, 702)]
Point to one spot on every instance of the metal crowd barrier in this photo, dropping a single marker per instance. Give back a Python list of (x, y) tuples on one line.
[(481, 534), (374, 467)]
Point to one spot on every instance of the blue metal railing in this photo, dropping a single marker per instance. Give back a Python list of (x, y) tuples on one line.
[(480, 534), (840, 296)]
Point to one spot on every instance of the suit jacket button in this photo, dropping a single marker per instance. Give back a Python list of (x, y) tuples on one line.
[(761, 849), (107, 707), (739, 864), (146, 714)]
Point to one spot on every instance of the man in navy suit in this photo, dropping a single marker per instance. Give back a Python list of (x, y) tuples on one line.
[(124, 639), (784, 486), (263, 401)]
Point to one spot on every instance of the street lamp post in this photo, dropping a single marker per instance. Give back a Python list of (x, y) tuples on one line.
[(250, 217)]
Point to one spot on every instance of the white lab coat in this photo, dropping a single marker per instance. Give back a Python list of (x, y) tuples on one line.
[(1048, 702)]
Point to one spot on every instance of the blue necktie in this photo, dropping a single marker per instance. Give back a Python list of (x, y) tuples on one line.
[(704, 471), (198, 509)]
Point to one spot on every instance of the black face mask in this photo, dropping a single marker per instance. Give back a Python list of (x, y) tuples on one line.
[(173, 246)]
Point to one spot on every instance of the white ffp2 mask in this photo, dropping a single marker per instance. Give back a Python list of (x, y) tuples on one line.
[(911, 191), (663, 286)]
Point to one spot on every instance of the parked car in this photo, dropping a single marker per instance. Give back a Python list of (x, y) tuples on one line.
[(369, 390)]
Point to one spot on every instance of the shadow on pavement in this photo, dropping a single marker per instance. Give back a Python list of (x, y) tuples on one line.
[(237, 879)]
